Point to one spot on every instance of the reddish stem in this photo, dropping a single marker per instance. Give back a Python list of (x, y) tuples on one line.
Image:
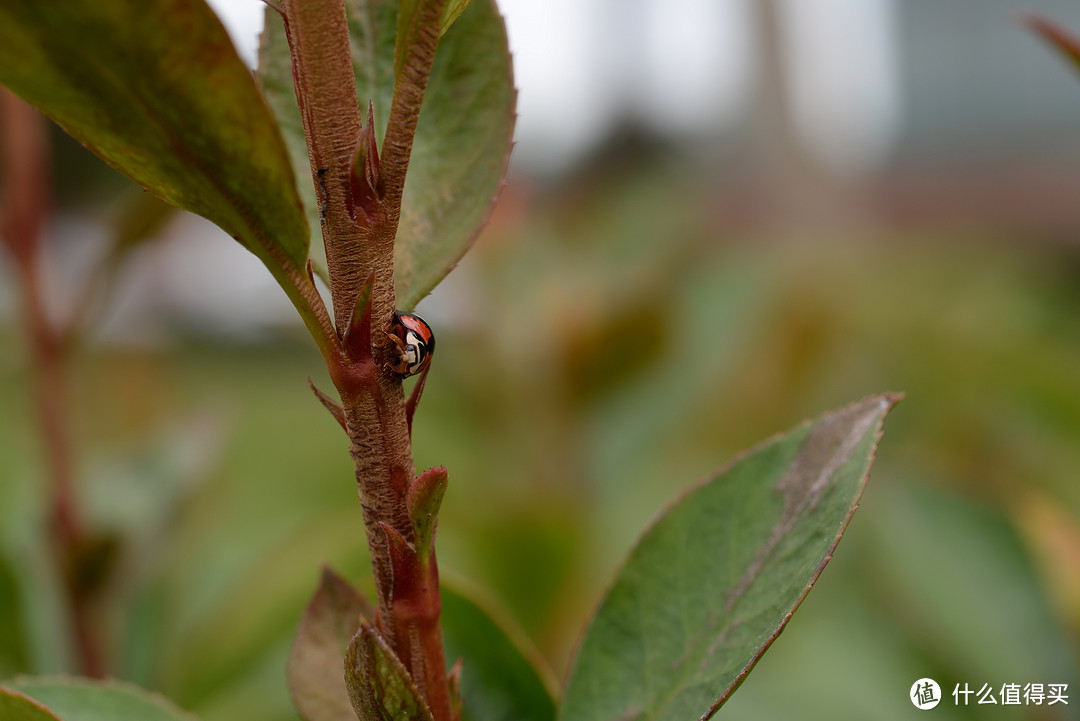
[(421, 40), (359, 225), (417, 608), (22, 214)]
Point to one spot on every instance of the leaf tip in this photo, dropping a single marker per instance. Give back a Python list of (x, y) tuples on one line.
[(331, 405), (364, 178), (357, 339), (424, 500), (414, 397), (453, 679)]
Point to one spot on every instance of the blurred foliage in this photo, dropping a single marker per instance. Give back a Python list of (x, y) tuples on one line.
[(609, 341), (80, 699)]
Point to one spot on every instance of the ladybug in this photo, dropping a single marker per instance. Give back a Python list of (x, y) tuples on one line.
[(414, 339)]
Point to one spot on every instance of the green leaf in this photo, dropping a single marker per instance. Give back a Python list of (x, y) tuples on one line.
[(500, 680), (424, 500), (15, 706), (453, 10), (13, 652), (156, 89), (73, 699), (379, 686), (317, 663), (462, 142), (714, 581)]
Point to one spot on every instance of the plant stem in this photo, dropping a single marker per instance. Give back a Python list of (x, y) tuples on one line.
[(421, 40), (326, 92), (25, 193), (416, 616), (360, 245)]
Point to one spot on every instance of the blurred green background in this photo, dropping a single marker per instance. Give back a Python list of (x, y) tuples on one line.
[(628, 322)]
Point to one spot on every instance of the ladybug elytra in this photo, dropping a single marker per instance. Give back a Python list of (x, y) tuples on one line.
[(414, 339)]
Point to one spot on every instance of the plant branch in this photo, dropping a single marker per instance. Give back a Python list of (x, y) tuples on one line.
[(22, 214), (417, 607), (317, 32), (417, 43), (318, 37), (360, 193)]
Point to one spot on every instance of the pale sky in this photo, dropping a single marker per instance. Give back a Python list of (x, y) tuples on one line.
[(681, 66)]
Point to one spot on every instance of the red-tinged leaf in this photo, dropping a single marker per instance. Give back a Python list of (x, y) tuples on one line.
[(329, 404), (713, 582), (379, 686), (408, 575), (414, 396), (365, 172), (316, 667), (453, 680), (357, 339), (156, 89)]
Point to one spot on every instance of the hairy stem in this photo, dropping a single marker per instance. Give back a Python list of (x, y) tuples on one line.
[(359, 236), (420, 40), (318, 37), (382, 460), (326, 93), (23, 146), (416, 618)]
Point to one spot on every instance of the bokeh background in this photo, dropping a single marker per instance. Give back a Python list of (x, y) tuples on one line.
[(722, 217)]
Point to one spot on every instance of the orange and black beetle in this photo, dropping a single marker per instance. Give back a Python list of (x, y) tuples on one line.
[(414, 338)]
